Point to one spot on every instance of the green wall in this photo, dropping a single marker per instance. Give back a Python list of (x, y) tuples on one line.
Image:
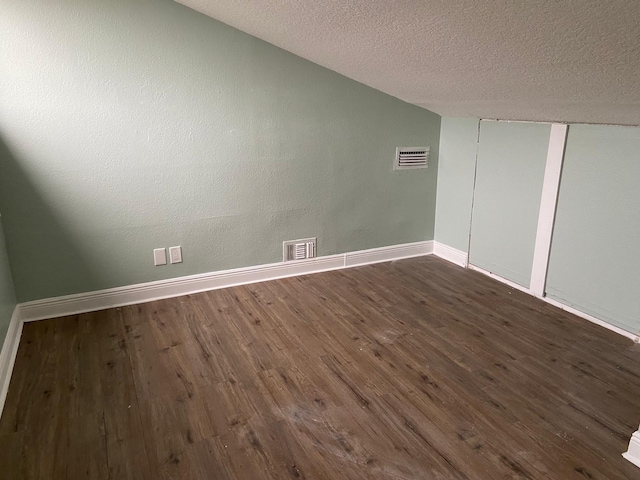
[(7, 295), (511, 162), (130, 125), (594, 265), (456, 167)]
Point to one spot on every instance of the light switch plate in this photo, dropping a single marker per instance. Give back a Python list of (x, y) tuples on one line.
[(175, 254), (160, 256)]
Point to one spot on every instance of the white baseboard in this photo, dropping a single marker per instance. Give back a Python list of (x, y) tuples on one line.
[(560, 305), (388, 254), (515, 285), (633, 454), (445, 252), (145, 292), (460, 258), (174, 287), (592, 319), (8, 354), (450, 254)]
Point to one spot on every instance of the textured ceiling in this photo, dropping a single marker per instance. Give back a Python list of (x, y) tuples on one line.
[(563, 60)]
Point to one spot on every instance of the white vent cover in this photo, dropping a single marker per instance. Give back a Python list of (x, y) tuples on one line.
[(298, 249), (411, 157)]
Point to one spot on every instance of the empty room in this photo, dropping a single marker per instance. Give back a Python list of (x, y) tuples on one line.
[(319, 239)]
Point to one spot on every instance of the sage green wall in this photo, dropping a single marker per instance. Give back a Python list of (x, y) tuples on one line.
[(510, 171), (594, 265), (7, 295), (129, 125), (456, 169)]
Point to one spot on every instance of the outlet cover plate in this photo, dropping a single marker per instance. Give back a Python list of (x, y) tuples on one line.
[(175, 254), (160, 256)]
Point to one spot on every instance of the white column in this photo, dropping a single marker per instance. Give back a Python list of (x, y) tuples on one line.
[(547, 214), (633, 454)]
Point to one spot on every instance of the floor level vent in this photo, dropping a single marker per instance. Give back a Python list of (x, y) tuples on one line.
[(298, 249)]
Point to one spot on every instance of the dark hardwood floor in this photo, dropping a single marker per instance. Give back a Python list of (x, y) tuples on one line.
[(411, 369)]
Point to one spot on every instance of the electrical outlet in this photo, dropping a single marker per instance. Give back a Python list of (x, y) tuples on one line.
[(175, 254), (160, 256)]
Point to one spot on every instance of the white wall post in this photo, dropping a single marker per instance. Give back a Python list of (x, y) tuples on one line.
[(547, 215), (633, 454)]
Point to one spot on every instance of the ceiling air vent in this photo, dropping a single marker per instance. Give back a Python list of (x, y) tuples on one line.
[(411, 157), (298, 249)]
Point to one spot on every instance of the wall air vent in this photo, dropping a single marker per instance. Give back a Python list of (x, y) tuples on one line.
[(411, 157), (298, 249)]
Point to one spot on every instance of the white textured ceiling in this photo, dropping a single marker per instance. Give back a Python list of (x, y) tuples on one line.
[(562, 60)]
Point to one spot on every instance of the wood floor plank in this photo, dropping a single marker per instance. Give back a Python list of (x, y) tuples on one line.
[(415, 369)]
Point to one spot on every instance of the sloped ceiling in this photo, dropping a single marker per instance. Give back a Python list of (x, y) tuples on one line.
[(561, 60)]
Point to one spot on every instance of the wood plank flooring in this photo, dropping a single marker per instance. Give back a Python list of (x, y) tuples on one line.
[(415, 369)]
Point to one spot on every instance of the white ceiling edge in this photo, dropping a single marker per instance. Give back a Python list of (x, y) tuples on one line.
[(575, 61)]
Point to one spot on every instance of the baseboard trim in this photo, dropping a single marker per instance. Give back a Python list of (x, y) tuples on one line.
[(175, 287), (515, 285), (592, 319), (560, 305), (450, 254), (146, 292), (633, 454), (460, 258), (388, 254), (8, 354)]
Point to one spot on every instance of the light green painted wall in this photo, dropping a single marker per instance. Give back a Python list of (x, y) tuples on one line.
[(594, 265), (130, 125), (7, 295), (510, 171), (456, 170)]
